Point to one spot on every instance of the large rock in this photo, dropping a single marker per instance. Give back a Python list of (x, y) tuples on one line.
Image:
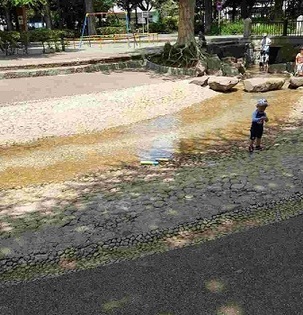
[(277, 68), (263, 84), (222, 84), (214, 65), (201, 68), (202, 81), (229, 70), (295, 82)]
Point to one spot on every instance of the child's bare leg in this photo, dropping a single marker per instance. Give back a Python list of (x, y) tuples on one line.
[(258, 142)]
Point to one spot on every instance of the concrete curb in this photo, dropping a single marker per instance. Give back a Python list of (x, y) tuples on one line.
[(96, 67), (75, 62)]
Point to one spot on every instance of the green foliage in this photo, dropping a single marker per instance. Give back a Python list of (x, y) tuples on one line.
[(227, 28), (168, 24), (109, 30), (171, 23), (9, 41), (236, 28), (270, 28)]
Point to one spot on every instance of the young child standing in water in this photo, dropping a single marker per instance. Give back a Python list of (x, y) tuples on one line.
[(258, 119)]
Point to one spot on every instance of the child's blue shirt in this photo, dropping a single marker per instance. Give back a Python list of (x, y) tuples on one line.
[(256, 116)]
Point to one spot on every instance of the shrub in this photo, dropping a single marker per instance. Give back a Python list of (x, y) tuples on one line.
[(236, 28), (9, 41), (109, 30), (157, 27), (171, 23), (227, 28)]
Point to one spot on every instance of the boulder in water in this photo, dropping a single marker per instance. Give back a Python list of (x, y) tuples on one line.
[(222, 84), (263, 84), (295, 82)]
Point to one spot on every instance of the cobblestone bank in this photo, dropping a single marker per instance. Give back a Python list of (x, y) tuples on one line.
[(136, 211)]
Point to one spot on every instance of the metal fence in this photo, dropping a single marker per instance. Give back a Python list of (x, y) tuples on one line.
[(284, 28)]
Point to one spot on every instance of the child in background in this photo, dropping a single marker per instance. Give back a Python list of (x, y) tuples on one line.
[(299, 62), (258, 119)]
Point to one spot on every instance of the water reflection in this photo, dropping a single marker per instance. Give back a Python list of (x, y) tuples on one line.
[(163, 132)]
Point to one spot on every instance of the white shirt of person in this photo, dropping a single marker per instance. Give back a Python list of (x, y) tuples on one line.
[(265, 43)]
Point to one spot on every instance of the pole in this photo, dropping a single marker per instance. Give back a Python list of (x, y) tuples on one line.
[(83, 30), (219, 21)]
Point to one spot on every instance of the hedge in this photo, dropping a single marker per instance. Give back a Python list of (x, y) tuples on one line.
[(54, 39), (109, 30)]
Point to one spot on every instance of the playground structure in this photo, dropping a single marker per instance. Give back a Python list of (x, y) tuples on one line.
[(136, 37)]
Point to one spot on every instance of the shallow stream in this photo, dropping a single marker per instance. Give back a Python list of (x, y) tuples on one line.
[(192, 130)]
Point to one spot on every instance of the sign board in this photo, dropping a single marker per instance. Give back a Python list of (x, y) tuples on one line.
[(145, 14), (141, 21)]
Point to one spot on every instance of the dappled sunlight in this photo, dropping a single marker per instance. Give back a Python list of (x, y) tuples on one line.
[(230, 309), (68, 264), (115, 304), (5, 227), (214, 286)]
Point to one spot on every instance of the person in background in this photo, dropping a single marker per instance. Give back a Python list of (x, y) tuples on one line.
[(299, 63), (264, 57)]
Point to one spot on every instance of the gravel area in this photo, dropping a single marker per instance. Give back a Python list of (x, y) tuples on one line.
[(65, 116)]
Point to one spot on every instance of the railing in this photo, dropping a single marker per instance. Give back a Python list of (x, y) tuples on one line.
[(284, 28), (136, 37)]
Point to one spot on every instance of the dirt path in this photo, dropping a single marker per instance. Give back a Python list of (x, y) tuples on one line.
[(30, 89)]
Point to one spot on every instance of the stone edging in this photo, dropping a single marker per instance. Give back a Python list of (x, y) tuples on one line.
[(73, 62), (169, 70), (107, 252)]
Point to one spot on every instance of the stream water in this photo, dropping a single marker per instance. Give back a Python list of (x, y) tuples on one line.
[(189, 131)]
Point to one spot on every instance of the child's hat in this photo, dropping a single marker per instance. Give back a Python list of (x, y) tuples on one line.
[(262, 102)]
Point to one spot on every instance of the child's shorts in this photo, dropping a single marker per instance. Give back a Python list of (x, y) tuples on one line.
[(256, 131)]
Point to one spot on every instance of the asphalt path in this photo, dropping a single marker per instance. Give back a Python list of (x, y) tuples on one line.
[(256, 272)]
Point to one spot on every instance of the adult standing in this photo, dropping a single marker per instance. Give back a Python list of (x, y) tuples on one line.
[(264, 56), (265, 43)]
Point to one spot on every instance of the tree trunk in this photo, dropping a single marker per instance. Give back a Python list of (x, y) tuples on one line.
[(208, 15), (91, 22), (278, 9), (8, 19), (48, 18), (244, 9), (234, 12), (60, 13), (186, 34)]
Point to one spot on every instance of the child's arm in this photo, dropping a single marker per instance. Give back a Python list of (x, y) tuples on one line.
[(254, 117), (265, 118)]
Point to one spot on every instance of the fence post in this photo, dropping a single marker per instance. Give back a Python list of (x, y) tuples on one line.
[(247, 28), (299, 28), (285, 24)]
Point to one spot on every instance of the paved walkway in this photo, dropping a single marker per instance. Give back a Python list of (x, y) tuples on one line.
[(127, 210), (73, 53), (257, 272)]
